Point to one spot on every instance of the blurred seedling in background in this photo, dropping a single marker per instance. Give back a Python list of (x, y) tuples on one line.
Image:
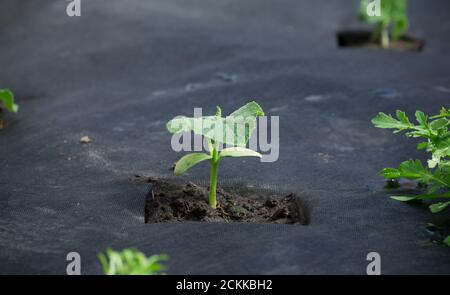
[(234, 130), (131, 262), (435, 176), (392, 21), (7, 101)]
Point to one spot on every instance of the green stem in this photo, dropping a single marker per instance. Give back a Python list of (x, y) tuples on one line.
[(385, 38), (213, 178), (381, 35), (213, 185), (215, 159)]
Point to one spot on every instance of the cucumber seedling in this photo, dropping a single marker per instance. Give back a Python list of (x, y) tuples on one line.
[(234, 130), (7, 100), (436, 175), (391, 21)]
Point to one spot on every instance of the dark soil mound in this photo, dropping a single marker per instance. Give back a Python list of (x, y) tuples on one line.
[(167, 201), (364, 39)]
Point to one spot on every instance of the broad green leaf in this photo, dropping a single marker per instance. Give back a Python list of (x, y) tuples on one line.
[(234, 130), (243, 122), (7, 98), (203, 125), (239, 152), (438, 207), (251, 109), (188, 161)]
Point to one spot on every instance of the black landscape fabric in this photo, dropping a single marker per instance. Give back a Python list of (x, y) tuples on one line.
[(123, 69)]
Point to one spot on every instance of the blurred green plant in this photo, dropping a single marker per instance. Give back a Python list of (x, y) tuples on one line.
[(447, 241), (392, 20), (131, 262), (7, 100), (436, 175), (235, 130)]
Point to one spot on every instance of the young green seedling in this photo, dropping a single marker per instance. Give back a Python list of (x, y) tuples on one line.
[(7, 100), (131, 262), (393, 15), (436, 132), (234, 130)]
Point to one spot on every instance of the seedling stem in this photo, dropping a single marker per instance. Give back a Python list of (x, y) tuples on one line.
[(213, 180), (385, 37)]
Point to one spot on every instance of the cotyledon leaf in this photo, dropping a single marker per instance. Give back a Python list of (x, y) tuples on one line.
[(239, 152), (188, 161), (404, 198)]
